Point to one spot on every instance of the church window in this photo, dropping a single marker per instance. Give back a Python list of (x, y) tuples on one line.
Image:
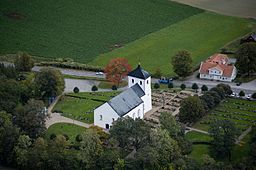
[(139, 113), (107, 126), (113, 119), (100, 117), (132, 80), (140, 82), (147, 81), (133, 115)]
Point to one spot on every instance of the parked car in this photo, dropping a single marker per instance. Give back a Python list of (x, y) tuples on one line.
[(99, 73), (164, 80)]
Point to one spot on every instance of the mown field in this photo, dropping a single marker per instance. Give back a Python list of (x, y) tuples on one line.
[(82, 29), (202, 35), (80, 106), (241, 112)]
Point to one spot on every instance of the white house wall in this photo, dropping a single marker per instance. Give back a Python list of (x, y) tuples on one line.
[(108, 114)]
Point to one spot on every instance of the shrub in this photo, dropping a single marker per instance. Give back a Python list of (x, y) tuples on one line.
[(78, 138), (156, 86), (204, 88), (114, 87), (76, 90), (254, 95), (170, 85), (23, 62), (195, 86), (94, 88), (52, 136), (241, 93), (182, 86), (66, 136)]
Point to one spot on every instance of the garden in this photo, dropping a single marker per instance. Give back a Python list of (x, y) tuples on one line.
[(80, 106), (241, 112)]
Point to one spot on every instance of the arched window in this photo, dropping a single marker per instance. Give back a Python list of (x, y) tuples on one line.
[(133, 116), (132, 80), (138, 113), (147, 81), (140, 82), (100, 117), (107, 126)]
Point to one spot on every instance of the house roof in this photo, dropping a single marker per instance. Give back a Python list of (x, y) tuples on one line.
[(139, 73), (127, 100), (218, 58), (227, 69)]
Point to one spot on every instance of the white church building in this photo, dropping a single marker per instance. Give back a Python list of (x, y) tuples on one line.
[(133, 102)]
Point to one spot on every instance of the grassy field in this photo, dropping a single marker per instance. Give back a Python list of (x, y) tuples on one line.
[(80, 106), (241, 112), (198, 150), (202, 35), (65, 128), (82, 29)]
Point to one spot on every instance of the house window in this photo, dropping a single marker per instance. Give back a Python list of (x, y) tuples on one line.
[(100, 117), (132, 80), (140, 82), (113, 119), (107, 126), (147, 81)]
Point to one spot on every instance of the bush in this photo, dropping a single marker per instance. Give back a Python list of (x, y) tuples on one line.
[(78, 138), (52, 136), (170, 85), (76, 90), (204, 88), (156, 86), (114, 87), (254, 95), (94, 88), (195, 86), (23, 62), (66, 136), (182, 86), (241, 93)]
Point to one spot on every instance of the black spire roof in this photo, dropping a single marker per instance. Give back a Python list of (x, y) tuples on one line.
[(139, 73)]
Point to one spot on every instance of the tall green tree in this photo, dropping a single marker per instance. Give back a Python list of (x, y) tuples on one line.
[(195, 87), (169, 123), (91, 148), (224, 133), (246, 60), (204, 88), (49, 83), (182, 63), (30, 118), (225, 87), (8, 137), (23, 62), (191, 109)]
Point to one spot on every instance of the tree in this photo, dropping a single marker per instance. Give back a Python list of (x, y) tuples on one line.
[(226, 88), (241, 93), (156, 86), (204, 88), (76, 90), (220, 91), (208, 101), (91, 148), (49, 83), (22, 151), (182, 86), (216, 97), (254, 95), (30, 118), (94, 88), (7, 72), (169, 123), (170, 85), (116, 70), (224, 135), (130, 134), (23, 62), (191, 109), (8, 137), (182, 63), (195, 87), (246, 61)]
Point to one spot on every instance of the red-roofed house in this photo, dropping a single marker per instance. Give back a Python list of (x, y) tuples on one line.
[(218, 67)]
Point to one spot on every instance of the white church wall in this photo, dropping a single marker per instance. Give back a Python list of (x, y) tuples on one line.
[(104, 115), (137, 112), (133, 80)]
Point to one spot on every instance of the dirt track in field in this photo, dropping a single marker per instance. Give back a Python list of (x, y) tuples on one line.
[(240, 8)]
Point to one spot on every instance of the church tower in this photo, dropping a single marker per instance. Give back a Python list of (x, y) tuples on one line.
[(143, 79)]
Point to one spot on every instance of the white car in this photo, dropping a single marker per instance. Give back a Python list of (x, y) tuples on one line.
[(99, 73)]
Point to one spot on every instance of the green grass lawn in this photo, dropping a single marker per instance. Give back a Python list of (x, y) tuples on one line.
[(65, 128), (82, 29), (194, 136), (80, 106), (108, 85), (202, 35), (241, 112)]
